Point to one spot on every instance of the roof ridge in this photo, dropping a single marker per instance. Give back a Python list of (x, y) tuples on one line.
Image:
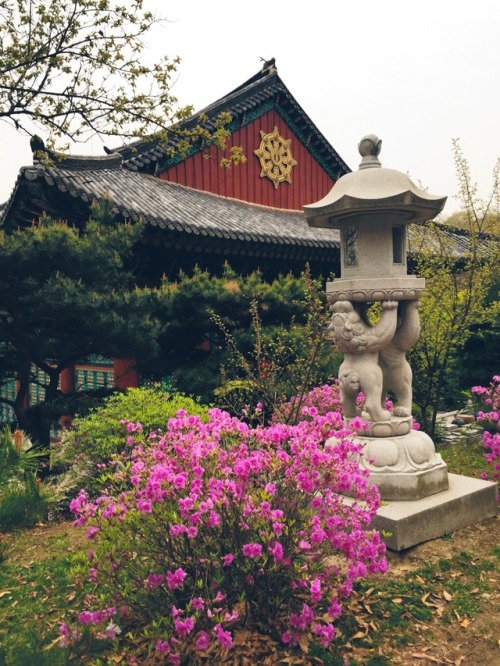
[(244, 103), (143, 147), (78, 162)]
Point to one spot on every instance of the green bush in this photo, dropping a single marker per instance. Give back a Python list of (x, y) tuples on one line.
[(24, 500), (97, 437)]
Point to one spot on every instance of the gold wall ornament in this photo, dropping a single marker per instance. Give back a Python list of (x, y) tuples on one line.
[(275, 155)]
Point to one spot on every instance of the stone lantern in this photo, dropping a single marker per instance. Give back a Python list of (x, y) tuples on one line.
[(372, 207), (375, 321)]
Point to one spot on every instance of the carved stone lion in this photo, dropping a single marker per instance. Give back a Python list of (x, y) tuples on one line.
[(361, 343)]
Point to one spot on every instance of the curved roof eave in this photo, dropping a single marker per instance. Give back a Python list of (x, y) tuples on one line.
[(176, 207)]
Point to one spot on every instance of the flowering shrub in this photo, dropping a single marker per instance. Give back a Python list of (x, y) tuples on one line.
[(213, 524), (489, 418), (96, 437), (323, 399)]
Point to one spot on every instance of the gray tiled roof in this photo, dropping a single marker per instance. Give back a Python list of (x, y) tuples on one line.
[(170, 206), (456, 241), (183, 210)]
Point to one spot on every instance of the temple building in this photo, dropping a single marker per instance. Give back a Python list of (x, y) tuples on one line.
[(196, 212)]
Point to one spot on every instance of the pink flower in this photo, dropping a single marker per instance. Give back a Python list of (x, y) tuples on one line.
[(198, 603), (89, 617), (224, 637), (316, 593), (154, 580), (326, 633), (68, 636), (184, 628), (144, 506), (180, 480), (195, 518), (227, 560), (91, 532), (335, 609), (203, 641), (276, 551), (278, 529), (302, 621), (230, 617), (163, 647), (253, 550), (177, 530), (316, 502), (214, 519), (175, 579)]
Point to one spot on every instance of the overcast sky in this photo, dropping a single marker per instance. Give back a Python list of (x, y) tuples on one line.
[(417, 74)]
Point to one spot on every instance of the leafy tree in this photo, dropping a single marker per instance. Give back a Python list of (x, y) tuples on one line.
[(460, 294), (244, 339), (267, 365), (65, 294), (78, 68)]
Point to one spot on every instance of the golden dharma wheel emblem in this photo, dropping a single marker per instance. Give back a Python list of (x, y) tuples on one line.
[(275, 155)]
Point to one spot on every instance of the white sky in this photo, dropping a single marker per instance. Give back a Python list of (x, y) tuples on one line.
[(417, 74)]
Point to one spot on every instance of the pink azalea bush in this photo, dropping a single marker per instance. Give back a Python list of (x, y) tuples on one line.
[(489, 418), (209, 525), (323, 399)]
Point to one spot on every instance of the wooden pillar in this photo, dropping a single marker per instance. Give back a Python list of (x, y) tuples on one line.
[(126, 374), (68, 379), (26, 399)]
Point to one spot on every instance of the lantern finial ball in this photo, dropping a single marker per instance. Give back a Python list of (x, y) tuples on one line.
[(370, 146)]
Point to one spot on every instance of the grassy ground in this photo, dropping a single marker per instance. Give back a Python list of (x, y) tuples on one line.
[(439, 604), (464, 456)]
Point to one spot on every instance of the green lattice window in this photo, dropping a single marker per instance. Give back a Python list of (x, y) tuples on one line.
[(90, 379)]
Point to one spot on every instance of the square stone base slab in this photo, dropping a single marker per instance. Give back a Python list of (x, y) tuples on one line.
[(466, 501)]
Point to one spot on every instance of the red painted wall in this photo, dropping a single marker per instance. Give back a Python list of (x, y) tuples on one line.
[(126, 374), (310, 182)]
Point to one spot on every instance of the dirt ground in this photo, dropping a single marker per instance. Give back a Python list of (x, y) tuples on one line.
[(471, 642)]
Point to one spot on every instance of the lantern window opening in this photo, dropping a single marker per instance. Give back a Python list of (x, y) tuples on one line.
[(350, 245), (398, 245)]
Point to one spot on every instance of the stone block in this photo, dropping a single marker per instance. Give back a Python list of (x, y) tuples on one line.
[(406, 486), (409, 523)]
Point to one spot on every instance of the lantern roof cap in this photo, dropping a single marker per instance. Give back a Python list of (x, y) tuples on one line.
[(374, 189)]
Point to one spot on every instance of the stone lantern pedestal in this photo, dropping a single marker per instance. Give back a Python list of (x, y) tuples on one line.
[(375, 321)]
